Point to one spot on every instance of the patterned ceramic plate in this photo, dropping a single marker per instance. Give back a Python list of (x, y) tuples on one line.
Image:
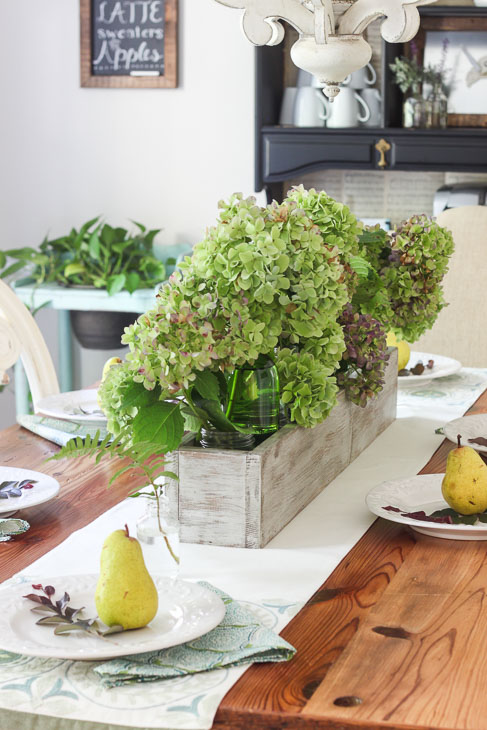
[(442, 366), (11, 527), (74, 405), (186, 611), (468, 427), (43, 489), (422, 492)]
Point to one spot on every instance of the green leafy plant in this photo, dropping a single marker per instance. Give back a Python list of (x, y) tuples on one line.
[(95, 255), (142, 455), (408, 73)]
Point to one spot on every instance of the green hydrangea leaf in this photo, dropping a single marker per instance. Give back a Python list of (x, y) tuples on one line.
[(207, 385), (135, 395), (161, 423)]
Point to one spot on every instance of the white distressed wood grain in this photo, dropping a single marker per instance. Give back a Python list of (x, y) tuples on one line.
[(244, 498)]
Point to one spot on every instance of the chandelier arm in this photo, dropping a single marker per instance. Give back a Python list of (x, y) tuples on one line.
[(401, 21), (261, 20), (324, 19)]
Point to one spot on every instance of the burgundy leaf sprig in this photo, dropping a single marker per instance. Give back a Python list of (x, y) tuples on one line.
[(446, 516), (64, 617), (14, 489), (481, 441)]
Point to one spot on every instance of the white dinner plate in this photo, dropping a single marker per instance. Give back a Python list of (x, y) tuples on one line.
[(442, 366), (44, 489), (186, 611), (468, 427), (422, 492), (74, 405)]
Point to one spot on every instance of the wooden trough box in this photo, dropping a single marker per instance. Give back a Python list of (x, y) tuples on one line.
[(244, 498)]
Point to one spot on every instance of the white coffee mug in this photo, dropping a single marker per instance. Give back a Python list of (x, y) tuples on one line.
[(287, 105), (362, 78), (347, 110), (304, 78), (373, 100), (310, 108)]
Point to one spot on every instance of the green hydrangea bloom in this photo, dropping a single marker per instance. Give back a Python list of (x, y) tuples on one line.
[(408, 265), (279, 280), (261, 279)]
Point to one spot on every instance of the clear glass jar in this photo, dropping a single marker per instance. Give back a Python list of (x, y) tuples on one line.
[(414, 110), (158, 534), (213, 439), (253, 396), (439, 107)]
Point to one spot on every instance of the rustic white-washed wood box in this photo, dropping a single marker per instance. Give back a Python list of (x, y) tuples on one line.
[(244, 498)]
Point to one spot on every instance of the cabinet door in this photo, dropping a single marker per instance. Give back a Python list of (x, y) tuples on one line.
[(452, 149), (286, 153)]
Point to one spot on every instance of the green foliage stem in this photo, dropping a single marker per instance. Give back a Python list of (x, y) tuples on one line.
[(96, 255)]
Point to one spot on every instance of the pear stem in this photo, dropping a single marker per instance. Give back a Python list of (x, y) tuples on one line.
[(127, 531), (458, 439)]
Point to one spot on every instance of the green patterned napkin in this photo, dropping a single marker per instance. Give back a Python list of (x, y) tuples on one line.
[(238, 639), (60, 431)]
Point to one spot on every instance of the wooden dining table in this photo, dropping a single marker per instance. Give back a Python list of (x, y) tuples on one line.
[(395, 637)]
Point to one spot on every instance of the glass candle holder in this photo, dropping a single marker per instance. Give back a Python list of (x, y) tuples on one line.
[(158, 534)]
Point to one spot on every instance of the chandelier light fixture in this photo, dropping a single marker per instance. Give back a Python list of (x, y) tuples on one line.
[(330, 44)]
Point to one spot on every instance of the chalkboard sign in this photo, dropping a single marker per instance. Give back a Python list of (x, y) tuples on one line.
[(128, 43)]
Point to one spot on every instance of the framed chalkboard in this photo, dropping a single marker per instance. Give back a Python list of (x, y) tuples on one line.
[(129, 43)]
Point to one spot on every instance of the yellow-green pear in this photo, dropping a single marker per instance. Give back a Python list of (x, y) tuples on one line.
[(125, 593), (464, 485)]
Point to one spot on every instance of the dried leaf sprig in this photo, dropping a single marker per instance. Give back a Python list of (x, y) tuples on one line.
[(64, 617), (446, 516), (14, 489)]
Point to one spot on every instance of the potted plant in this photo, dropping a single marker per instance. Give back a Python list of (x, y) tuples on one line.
[(95, 256), (426, 101), (303, 283)]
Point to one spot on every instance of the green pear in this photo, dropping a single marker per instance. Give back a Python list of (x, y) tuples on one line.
[(464, 485), (125, 593)]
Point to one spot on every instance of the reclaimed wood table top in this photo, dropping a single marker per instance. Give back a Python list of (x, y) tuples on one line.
[(84, 495), (395, 638)]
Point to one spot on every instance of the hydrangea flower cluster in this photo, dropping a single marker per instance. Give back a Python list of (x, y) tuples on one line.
[(300, 280), (364, 360), (261, 279), (407, 266), (420, 250)]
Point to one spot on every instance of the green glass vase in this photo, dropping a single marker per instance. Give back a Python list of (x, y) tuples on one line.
[(253, 396)]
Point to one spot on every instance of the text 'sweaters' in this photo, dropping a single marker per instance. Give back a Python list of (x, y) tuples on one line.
[(128, 37)]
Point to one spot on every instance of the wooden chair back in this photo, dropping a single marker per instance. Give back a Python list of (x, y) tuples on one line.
[(21, 337)]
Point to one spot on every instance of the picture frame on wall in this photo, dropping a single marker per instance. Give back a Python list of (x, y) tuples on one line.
[(458, 45), (126, 44)]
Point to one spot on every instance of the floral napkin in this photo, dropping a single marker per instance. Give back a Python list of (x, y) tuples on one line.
[(238, 639)]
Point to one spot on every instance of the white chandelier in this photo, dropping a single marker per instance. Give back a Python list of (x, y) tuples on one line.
[(330, 44)]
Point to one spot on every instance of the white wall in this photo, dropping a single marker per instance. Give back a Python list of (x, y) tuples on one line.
[(164, 157)]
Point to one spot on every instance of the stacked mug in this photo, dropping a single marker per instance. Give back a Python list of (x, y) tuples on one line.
[(358, 102), (305, 105)]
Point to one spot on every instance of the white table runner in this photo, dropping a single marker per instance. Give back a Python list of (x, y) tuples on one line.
[(274, 581)]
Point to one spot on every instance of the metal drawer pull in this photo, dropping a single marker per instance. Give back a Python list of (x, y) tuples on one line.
[(382, 147)]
